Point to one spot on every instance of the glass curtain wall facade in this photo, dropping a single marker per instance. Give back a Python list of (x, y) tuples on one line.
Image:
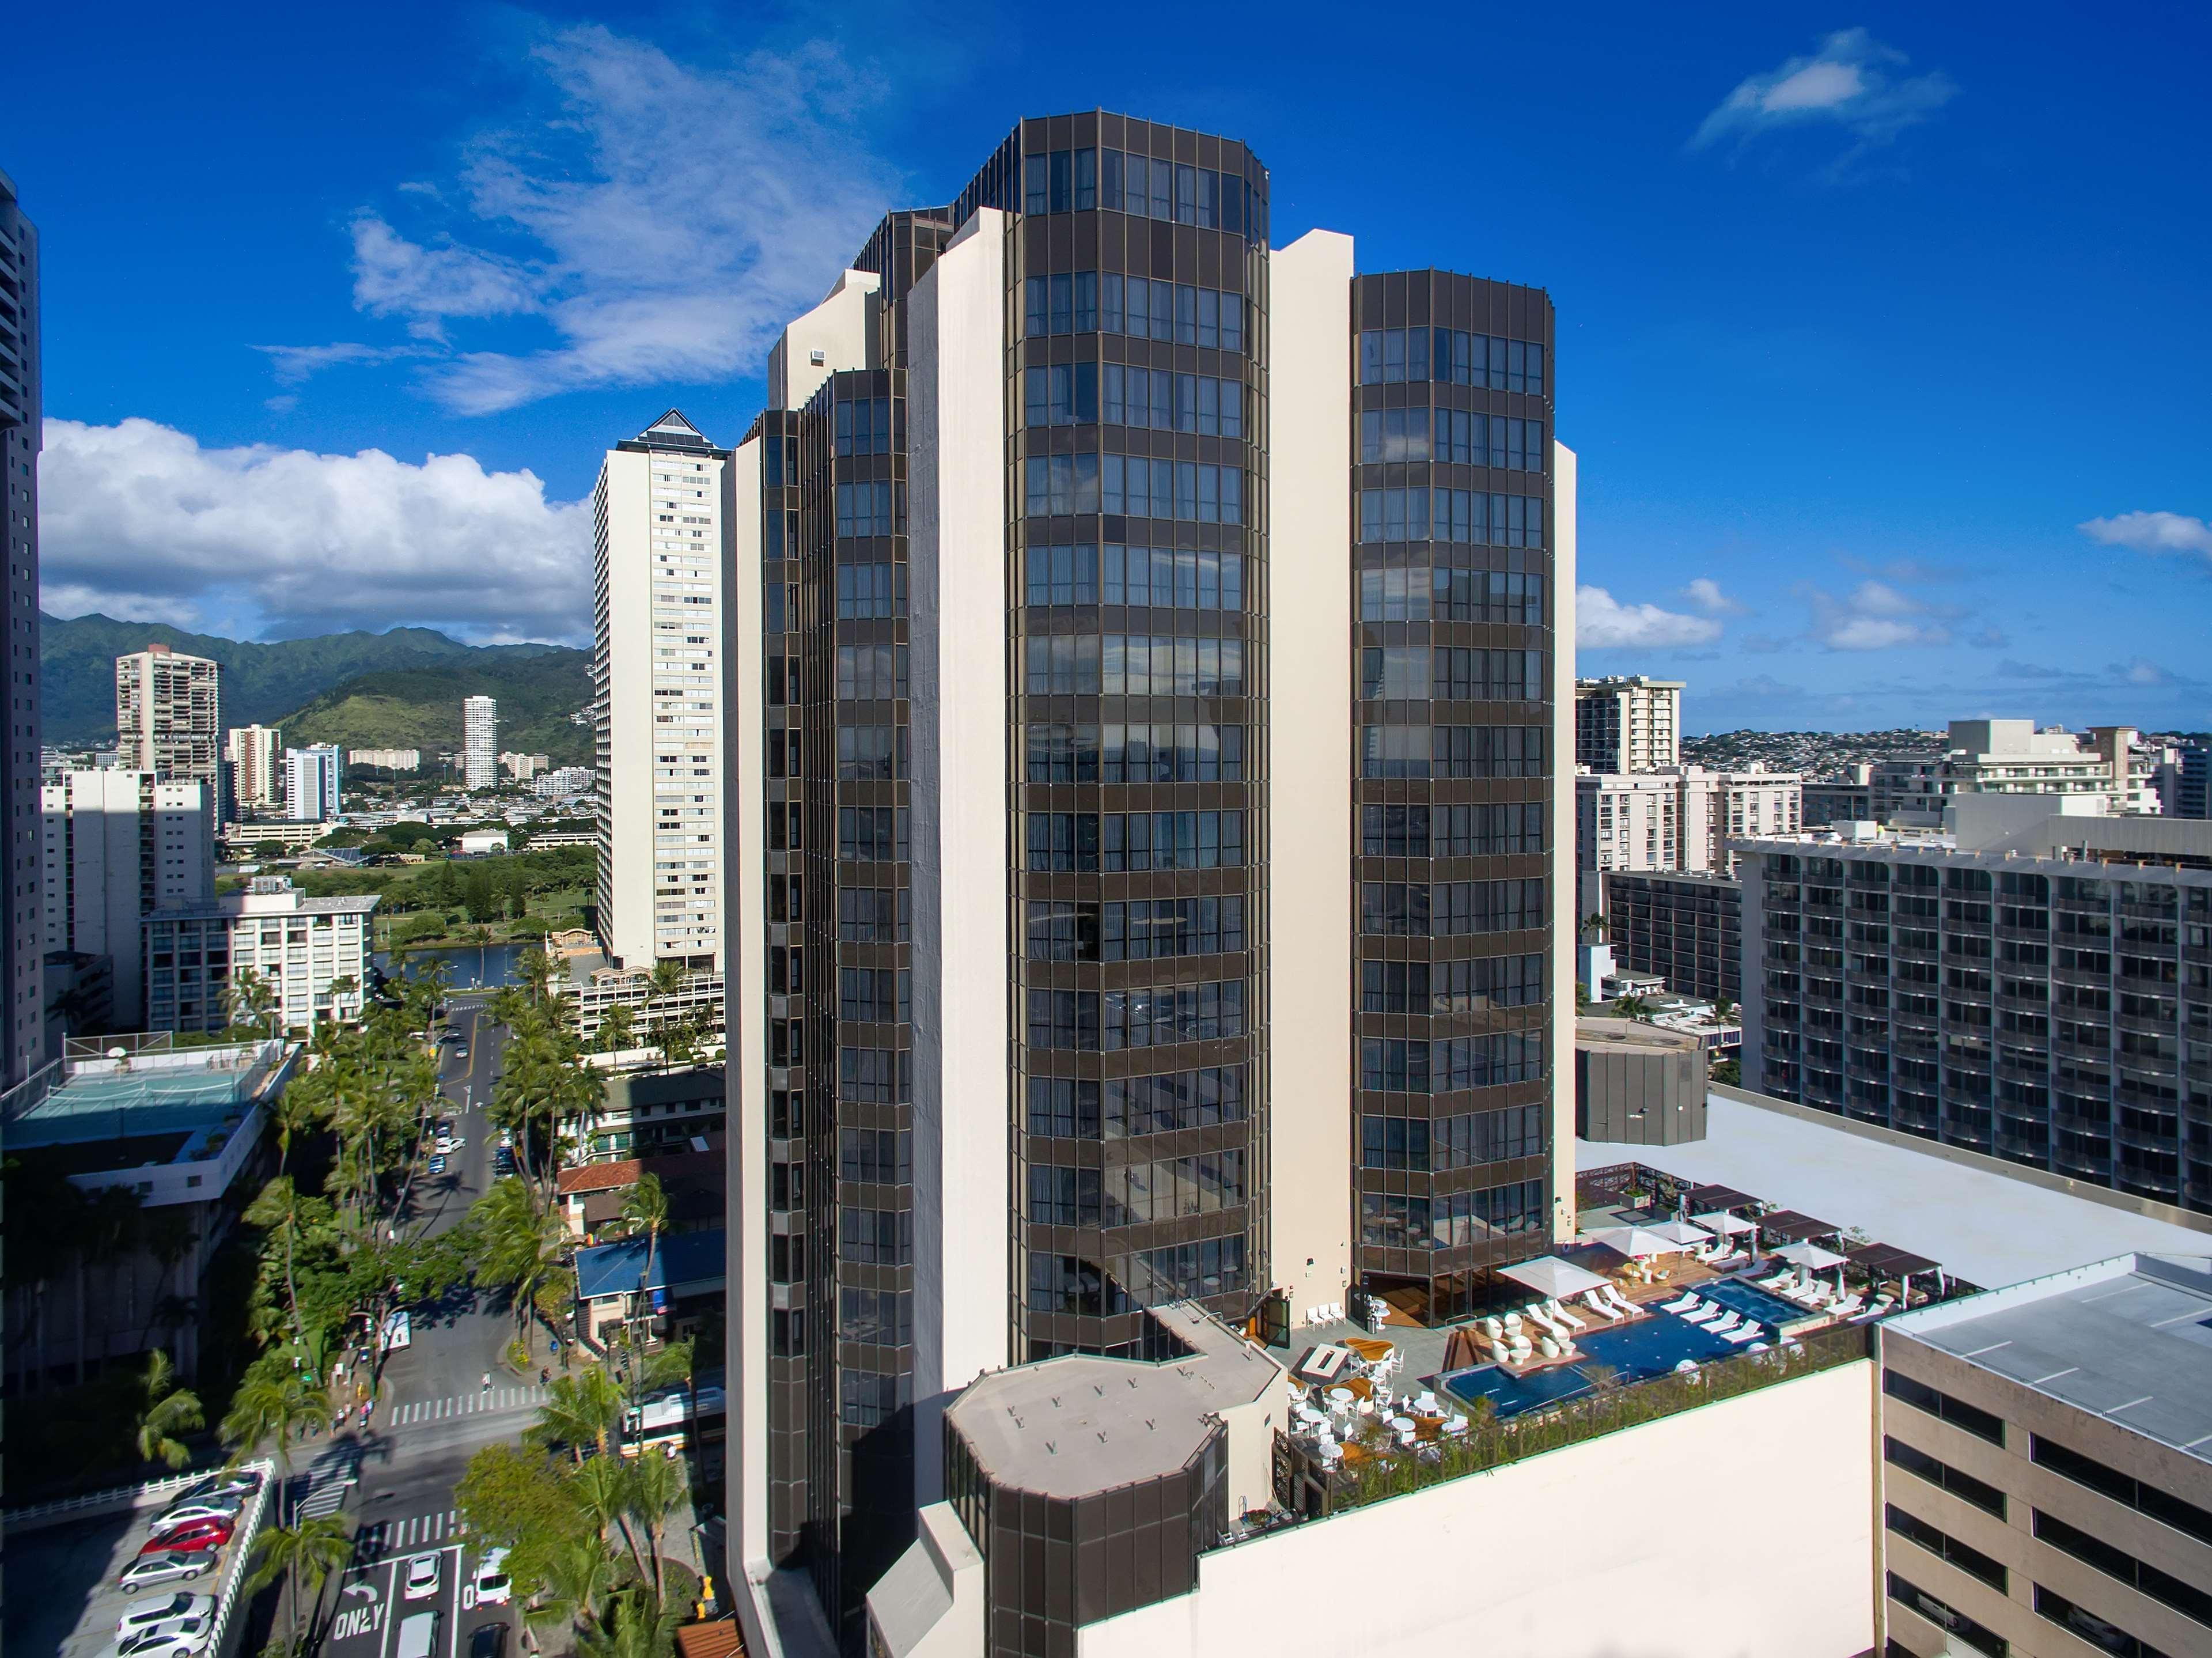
[(1137, 391), (1453, 846)]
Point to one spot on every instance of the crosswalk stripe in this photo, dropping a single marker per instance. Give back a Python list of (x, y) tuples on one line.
[(527, 1397)]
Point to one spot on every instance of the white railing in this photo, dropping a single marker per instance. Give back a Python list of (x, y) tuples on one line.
[(241, 1548), (38, 1515)]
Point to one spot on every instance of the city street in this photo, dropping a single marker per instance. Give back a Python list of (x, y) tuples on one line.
[(433, 1411)]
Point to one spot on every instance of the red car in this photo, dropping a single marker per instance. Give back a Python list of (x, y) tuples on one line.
[(191, 1540)]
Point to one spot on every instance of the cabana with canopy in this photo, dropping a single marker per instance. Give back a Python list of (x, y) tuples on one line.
[(1882, 1261)]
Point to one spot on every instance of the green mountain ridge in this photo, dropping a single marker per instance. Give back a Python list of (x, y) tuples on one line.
[(398, 690)]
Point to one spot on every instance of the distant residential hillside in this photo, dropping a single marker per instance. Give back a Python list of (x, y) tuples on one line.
[(421, 708), (325, 681)]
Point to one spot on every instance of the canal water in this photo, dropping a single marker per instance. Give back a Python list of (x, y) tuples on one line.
[(471, 967)]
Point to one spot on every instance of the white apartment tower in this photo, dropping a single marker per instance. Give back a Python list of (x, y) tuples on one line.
[(1626, 722), (168, 718), (119, 844), (480, 743), (257, 776), (660, 534), (310, 784)]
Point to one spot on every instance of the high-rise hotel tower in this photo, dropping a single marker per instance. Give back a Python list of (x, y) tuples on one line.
[(1150, 734)]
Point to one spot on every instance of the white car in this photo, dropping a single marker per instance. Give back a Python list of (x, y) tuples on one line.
[(493, 1586), (190, 1514), (177, 1638), (421, 1581), (142, 1615), (446, 1143)]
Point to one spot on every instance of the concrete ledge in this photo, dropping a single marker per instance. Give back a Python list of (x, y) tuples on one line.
[(2148, 1208)]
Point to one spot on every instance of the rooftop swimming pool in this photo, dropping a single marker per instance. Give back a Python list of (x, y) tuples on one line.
[(1747, 1298), (1634, 1352)]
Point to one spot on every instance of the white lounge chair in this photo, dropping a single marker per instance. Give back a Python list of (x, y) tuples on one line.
[(1722, 1262), (1776, 1280), (1721, 1327), (1749, 1331), (1847, 1306), (1590, 1299), (1875, 1308), (1543, 1320), (1706, 1312), (1681, 1303), (1558, 1309), (1620, 1303)]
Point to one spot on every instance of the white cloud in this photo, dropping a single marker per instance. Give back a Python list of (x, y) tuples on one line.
[(1706, 593), (1874, 616), (1603, 622), (138, 519), (661, 221), (1849, 82), (2153, 532), (295, 363)]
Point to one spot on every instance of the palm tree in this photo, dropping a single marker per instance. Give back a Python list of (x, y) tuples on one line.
[(317, 1547), (581, 1410), (658, 1487), (165, 1411), (537, 970), (253, 1001), (278, 1207), (580, 1576), (521, 1242), (274, 1404), (618, 1030), (602, 1490), (637, 1626), (645, 1209)]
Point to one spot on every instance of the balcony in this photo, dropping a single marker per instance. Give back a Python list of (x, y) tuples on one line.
[(2024, 1148)]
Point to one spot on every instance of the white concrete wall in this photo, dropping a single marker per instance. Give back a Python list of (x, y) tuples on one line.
[(1566, 920), (745, 1071), (837, 328), (956, 560), (1743, 1530), (1310, 994)]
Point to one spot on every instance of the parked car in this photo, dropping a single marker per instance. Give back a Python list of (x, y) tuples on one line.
[(422, 1577), (229, 1482), (437, 1165), (160, 1608), (190, 1514), (179, 1638), (197, 1538), (163, 1565), (444, 1143), (489, 1641), (493, 1589)]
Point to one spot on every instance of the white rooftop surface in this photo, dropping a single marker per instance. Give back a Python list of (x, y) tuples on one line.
[(1987, 1228)]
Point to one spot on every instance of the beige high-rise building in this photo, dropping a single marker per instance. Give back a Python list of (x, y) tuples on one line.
[(168, 718), (660, 533), (1626, 722), (1677, 820), (257, 770), (480, 743)]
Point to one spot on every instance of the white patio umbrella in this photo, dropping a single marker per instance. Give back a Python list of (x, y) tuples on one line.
[(1682, 1234), (1813, 1258), (1637, 1242), (1721, 1221), (1551, 1277)]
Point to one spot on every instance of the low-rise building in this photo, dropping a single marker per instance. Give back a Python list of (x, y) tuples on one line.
[(2011, 756), (478, 843), (386, 759), (182, 1130), (2046, 1465), (1683, 819), (249, 840), (666, 1288), (565, 780), (311, 955), (522, 767), (645, 1111)]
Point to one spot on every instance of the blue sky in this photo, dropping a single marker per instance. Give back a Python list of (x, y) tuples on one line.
[(1882, 332)]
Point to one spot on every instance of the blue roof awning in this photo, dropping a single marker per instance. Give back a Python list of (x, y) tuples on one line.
[(685, 1262)]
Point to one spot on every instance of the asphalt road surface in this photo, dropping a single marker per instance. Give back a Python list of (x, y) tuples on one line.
[(434, 1411)]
